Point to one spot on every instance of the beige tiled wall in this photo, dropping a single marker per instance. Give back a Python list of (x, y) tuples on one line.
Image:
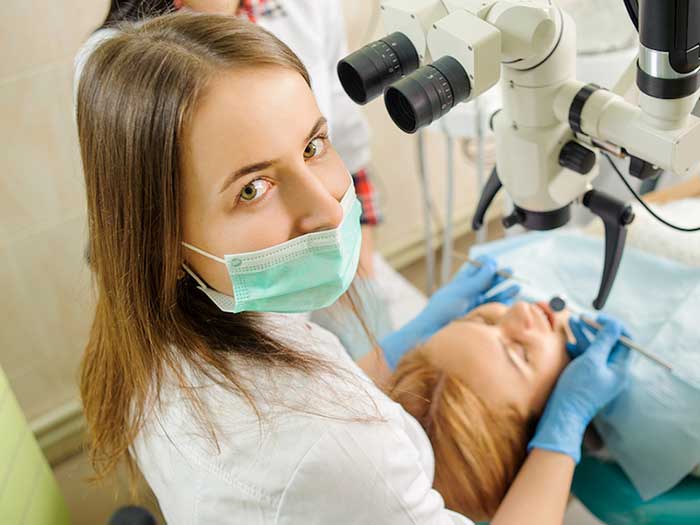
[(45, 310), (45, 304)]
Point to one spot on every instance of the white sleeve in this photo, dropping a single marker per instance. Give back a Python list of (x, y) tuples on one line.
[(349, 129), (361, 473)]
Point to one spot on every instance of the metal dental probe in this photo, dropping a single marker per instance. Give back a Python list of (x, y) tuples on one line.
[(502, 273), (558, 304)]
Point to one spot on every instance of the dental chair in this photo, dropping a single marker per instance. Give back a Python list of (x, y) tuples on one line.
[(608, 494), (29, 494)]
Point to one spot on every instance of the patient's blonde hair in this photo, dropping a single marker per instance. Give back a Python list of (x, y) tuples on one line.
[(478, 448)]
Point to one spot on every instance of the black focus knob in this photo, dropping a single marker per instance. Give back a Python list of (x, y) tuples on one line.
[(642, 170), (514, 218), (627, 216), (577, 158)]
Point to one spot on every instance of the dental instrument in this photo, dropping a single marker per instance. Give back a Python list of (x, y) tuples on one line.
[(557, 304), (501, 273)]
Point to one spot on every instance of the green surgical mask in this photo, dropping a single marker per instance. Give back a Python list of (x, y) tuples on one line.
[(303, 274)]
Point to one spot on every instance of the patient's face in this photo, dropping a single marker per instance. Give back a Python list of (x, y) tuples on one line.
[(507, 355)]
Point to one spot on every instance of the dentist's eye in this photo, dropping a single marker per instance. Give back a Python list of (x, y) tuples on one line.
[(315, 148), (254, 190)]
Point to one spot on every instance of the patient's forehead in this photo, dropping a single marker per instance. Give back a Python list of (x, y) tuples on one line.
[(458, 347), (468, 352)]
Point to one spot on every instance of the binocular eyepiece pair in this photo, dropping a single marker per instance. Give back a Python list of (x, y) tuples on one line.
[(414, 96)]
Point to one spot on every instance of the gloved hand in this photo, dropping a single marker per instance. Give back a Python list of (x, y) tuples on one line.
[(467, 290), (590, 382), (583, 333)]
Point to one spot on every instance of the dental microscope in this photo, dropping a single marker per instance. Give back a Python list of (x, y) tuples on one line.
[(552, 129)]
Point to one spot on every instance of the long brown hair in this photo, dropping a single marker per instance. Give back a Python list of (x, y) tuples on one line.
[(136, 95), (478, 448)]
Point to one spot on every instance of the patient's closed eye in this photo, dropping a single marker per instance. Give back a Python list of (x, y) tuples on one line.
[(521, 351)]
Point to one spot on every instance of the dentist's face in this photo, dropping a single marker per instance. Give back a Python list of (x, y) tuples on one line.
[(507, 355), (258, 168)]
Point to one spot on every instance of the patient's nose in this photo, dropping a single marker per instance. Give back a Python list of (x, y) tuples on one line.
[(518, 318)]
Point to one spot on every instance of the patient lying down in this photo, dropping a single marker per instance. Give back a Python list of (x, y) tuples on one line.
[(478, 388)]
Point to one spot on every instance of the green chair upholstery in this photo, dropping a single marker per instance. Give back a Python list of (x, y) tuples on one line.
[(29, 494), (609, 495)]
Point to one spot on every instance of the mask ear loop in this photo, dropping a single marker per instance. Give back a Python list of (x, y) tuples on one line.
[(214, 296), (435, 402), (205, 254), (202, 252), (194, 276)]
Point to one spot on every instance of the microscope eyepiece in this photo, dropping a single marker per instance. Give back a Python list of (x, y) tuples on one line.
[(427, 94), (365, 73)]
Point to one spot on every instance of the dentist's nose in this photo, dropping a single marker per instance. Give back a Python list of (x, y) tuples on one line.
[(316, 206)]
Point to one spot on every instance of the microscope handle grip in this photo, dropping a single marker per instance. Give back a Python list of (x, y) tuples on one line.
[(491, 188), (616, 216)]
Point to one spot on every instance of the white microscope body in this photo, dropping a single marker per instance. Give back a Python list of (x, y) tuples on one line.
[(530, 46), (551, 125)]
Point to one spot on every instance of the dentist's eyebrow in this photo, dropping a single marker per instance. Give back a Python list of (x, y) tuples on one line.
[(259, 166), (245, 170), (315, 129)]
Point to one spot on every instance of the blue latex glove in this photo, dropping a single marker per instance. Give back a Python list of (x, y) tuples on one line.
[(584, 333), (591, 381), (468, 289)]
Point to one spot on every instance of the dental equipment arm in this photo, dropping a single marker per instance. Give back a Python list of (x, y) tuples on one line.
[(443, 52)]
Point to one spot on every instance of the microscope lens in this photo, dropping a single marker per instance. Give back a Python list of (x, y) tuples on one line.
[(427, 94), (365, 73)]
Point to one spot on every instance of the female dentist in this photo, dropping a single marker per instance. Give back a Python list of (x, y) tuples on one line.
[(216, 205), (315, 31)]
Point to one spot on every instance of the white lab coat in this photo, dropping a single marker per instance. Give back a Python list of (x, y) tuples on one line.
[(296, 467)]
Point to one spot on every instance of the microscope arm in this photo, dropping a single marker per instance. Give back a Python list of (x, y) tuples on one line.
[(661, 132)]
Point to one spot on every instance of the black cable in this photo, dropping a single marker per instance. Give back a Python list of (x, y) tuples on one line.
[(633, 10), (644, 204)]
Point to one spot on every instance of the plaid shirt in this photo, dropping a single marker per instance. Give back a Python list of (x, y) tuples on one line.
[(366, 192), (371, 214), (255, 9)]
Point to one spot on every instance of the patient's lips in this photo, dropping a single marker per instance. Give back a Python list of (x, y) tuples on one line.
[(548, 313)]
